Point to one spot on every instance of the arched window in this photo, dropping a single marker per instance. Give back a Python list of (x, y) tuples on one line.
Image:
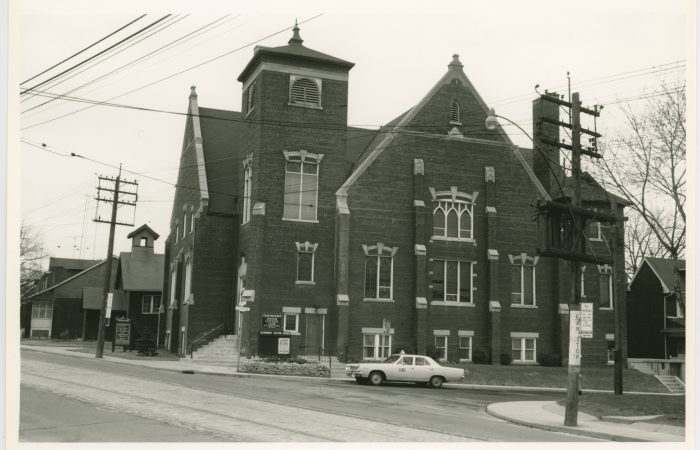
[(453, 216), (454, 112), (523, 280), (305, 91), (379, 271)]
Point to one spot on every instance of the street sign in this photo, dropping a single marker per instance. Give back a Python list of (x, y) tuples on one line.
[(587, 320), (575, 338), (108, 313), (242, 308)]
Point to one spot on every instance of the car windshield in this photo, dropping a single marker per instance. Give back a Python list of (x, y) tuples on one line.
[(392, 359)]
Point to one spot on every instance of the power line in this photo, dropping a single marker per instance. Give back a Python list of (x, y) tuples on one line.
[(96, 55), (175, 74), (179, 41), (86, 48), (106, 56)]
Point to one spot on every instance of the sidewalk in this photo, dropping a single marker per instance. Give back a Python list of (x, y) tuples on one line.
[(546, 415)]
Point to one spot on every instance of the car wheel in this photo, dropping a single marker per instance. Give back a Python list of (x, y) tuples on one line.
[(436, 382), (376, 378)]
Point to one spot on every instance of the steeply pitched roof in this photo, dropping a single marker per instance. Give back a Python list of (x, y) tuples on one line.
[(141, 271), (92, 299), (664, 270), (142, 228), (221, 132)]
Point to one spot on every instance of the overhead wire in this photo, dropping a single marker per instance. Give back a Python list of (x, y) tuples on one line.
[(173, 75), (83, 50), (181, 40)]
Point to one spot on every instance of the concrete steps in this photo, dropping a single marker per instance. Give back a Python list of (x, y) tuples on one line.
[(674, 384), (222, 351)]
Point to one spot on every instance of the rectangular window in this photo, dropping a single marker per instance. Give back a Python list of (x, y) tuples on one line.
[(188, 280), (441, 347), (300, 190), (376, 346), (606, 291), (184, 224), (594, 231), (42, 310), (144, 242), (177, 232), (150, 304), (247, 179), (305, 266), (673, 308), (291, 322), (173, 286), (523, 285), (452, 281), (524, 349), (378, 277), (192, 222), (583, 281), (465, 348)]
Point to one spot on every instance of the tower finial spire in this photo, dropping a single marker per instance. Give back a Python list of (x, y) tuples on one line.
[(296, 38)]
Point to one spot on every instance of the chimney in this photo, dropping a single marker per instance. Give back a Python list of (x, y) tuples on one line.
[(549, 156)]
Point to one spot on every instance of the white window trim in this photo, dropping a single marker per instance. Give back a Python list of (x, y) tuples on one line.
[(459, 283), (173, 285), (251, 97), (583, 281), (459, 113), (284, 322), (523, 261), (247, 188), (608, 271), (471, 346), (188, 280), (303, 157), (307, 247), (522, 339), (376, 345), (445, 340), (152, 304)]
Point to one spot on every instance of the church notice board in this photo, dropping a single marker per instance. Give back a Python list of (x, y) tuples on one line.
[(122, 334)]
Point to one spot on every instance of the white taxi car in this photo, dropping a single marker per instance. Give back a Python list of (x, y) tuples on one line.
[(410, 368)]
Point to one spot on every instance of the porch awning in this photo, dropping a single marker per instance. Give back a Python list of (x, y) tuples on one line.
[(92, 299)]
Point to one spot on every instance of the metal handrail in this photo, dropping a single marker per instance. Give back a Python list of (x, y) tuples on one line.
[(202, 336)]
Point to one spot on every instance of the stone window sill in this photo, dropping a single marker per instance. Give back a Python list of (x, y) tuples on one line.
[(305, 105), (462, 360), (291, 333), (299, 220), (451, 239), (518, 305), (378, 300), (459, 304), (305, 283), (524, 363), (603, 308)]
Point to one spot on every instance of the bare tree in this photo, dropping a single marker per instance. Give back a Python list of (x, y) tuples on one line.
[(647, 166), (31, 252), (640, 242)]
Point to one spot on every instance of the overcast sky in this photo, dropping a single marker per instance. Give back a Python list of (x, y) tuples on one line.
[(614, 51)]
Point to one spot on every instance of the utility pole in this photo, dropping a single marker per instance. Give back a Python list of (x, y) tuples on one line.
[(115, 202), (617, 305), (571, 245)]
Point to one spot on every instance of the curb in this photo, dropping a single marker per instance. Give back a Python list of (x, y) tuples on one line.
[(565, 429)]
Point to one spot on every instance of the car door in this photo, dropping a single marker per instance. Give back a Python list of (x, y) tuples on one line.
[(405, 369), (422, 370)]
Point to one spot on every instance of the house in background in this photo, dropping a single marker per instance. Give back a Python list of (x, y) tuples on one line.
[(139, 281), (302, 235), (655, 320), (60, 269), (68, 306)]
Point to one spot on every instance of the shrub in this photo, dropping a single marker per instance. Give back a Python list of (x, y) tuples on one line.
[(433, 352), (549, 360), (506, 359), (146, 343), (482, 356)]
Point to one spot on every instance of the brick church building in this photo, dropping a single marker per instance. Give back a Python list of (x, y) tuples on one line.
[(335, 240)]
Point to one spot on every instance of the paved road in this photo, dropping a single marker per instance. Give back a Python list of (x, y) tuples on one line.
[(272, 409), (43, 418)]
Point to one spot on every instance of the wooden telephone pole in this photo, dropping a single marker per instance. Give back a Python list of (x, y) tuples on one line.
[(117, 183)]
